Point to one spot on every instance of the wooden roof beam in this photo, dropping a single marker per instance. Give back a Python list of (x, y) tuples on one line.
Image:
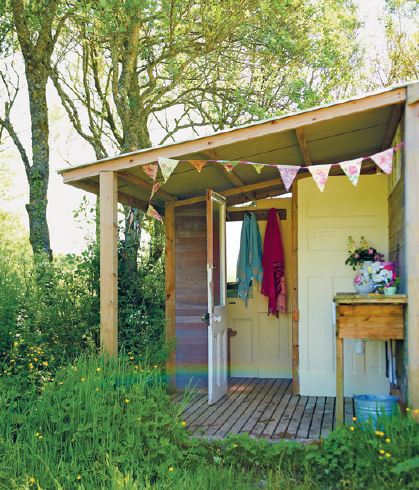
[(393, 122), (132, 179), (303, 146), (236, 135), (252, 187), (231, 176)]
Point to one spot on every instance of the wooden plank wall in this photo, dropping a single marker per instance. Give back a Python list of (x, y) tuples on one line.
[(191, 296), (397, 244)]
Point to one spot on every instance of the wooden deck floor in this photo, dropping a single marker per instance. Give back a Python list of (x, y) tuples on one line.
[(264, 408)]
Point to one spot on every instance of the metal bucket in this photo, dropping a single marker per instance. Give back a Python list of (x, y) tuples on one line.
[(375, 405)]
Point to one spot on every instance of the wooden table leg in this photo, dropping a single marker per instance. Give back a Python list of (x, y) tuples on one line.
[(339, 381)]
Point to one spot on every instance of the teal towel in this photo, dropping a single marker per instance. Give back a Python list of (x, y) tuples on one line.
[(249, 262)]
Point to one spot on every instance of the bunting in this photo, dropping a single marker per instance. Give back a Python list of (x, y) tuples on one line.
[(153, 213), (384, 160), (154, 189), (229, 165), (258, 167), (352, 169), (198, 164), (288, 173), (167, 166), (320, 174), (151, 169)]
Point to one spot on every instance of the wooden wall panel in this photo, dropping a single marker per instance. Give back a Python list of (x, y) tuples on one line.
[(191, 296)]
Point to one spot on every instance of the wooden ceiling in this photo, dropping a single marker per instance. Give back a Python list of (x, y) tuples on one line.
[(334, 133)]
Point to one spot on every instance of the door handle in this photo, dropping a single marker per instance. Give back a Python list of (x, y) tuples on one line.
[(217, 318), (206, 318)]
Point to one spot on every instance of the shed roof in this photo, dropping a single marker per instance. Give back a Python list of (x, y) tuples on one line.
[(343, 130)]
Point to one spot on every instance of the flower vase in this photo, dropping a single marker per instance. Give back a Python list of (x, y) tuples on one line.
[(363, 282), (390, 290)]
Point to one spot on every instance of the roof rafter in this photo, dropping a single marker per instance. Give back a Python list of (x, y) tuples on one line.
[(303, 146)]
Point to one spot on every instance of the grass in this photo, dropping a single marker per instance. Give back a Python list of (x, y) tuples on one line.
[(109, 425)]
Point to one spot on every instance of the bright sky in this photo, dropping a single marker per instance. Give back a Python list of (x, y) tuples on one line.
[(65, 233)]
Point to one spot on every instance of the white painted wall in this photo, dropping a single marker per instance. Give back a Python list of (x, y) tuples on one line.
[(325, 221)]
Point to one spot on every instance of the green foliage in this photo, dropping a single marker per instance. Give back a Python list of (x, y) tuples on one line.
[(361, 457)]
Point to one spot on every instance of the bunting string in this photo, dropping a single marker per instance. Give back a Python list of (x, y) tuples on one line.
[(320, 173)]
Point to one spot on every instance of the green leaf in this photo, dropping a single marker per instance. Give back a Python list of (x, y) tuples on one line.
[(406, 466)]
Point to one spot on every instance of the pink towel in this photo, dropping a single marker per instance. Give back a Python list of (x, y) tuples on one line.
[(273, 284)]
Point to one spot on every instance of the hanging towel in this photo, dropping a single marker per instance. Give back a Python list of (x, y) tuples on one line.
[(249, 262), (273, 285)]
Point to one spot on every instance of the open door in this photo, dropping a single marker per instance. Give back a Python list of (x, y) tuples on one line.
[(217, 309)]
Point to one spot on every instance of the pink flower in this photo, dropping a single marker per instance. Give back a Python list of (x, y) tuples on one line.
[(358, 279), (352, 169), (370, 251), (356, 256)]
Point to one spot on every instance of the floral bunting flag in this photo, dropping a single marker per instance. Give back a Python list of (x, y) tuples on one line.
[(258, 167), (154, 189), (228, 165), (198, 164), (153, 213), (384, 160), (320, 174), (352, 169), (151, 169), (167, 166), (288, 173)]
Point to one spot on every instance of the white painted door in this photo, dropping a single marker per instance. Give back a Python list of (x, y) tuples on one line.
[(325, 221), (216, 277)]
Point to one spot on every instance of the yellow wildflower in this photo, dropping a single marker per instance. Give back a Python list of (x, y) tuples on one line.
[(82, 379), (382, 451), (354, 419), (183, 423), (131, 358), (35, 359), (37, 434), (79, 477), (155, 366), (98, 369), (352, 428), (60, 383), (139, 418), (97, 389), (235, 445), (387, 440), (31, 480), (136, 367), (45, 363), (32, 347), (170, 469), (52, 379), (388, 455), (40, 437), (417, 411), (126, 400), (31, 365), (379, 433), (15, 343)]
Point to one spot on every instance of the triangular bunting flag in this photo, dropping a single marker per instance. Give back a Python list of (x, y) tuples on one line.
[(154, 189), (153, 213), (320, 174), (198, 164), (288, 173), (352, 169), (258, 167), (167, 166), (384, 160), (228, 165), (151, 169)]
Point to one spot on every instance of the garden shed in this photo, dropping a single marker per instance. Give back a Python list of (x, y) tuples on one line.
[(202, 183)]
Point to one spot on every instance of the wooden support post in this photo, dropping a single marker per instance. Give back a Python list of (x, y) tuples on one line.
[(295, 311), (412, 239), (108, 263), (170, 286), (339, 379)]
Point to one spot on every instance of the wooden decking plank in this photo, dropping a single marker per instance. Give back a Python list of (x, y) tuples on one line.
[(177, 397), (278, 412), (328, 417), (239, 397), (280, 431), (305, 424), (261, 405), (194, 404), (266, 416), (253, 411), (297, 416), (234, 412), (316, 423)]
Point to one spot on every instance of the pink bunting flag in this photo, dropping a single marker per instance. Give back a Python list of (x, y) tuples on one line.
[(228, 165), (352, 169), (151, 169), (320, 174), (198, 164), (288, 173), (258, 167), (153, 213), (154, 189), (167, 166), (384, 160)]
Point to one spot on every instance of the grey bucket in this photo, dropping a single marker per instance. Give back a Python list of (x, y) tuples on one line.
[(374, 405)]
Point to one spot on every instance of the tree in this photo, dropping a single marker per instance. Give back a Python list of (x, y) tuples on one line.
[(33, 28), (401, 24)]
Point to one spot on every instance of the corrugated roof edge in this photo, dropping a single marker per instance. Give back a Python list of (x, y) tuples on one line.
[(263, 121)]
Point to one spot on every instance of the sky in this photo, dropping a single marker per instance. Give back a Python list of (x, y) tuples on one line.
[(68, 235)]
